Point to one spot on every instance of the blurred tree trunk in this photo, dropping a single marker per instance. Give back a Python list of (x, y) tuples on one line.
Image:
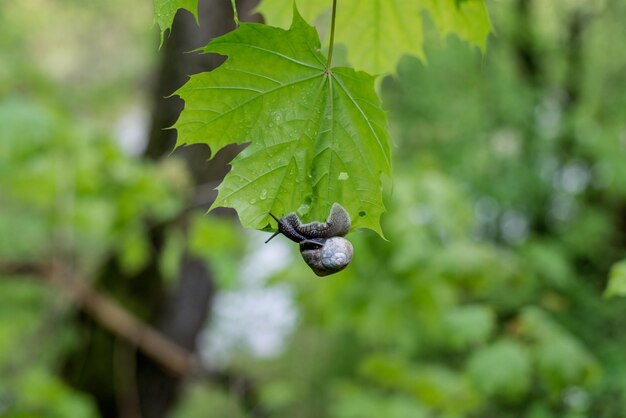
[(525, 44), (188, 306), (135, 386)]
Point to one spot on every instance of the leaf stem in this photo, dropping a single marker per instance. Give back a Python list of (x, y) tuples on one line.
[(235, 15), (332, 37)]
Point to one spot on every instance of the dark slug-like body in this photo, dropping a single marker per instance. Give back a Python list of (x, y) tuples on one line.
[(337, 224)]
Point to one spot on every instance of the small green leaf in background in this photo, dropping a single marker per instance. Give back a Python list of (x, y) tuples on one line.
[(194, 401), (617, 280), (468, 19), (432, 385), (172, 253), (503, 369), (561, 359), (220, 243), (165, 10), (470, 324), (280, 12), (134, 251), (351, 401), (377, 33), (317, 137)]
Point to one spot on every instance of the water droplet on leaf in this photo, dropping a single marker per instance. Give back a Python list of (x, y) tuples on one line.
[(304, 209), (277, 117)]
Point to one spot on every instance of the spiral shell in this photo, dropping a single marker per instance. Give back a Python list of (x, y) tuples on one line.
[(332, 256)]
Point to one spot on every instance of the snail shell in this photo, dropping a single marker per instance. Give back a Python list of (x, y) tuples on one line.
[(329, 256)]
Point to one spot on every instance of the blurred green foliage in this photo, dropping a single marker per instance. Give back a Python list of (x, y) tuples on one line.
[(505, 218), (67, 192), (617, 281), (72, 188), (31, 341)]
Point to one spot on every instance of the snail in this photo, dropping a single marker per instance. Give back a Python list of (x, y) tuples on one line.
[(322, 244)]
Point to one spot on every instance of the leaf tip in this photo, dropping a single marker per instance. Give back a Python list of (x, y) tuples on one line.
[(296, 16)]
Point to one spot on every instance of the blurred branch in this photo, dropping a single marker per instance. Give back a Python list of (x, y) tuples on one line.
[(112, 316)]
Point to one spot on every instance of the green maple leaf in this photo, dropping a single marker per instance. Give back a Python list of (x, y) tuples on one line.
[(378, 32), (468, 19), (165, 10), (316, 136)]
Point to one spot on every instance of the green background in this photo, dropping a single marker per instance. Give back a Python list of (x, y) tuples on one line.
[(504, 218)]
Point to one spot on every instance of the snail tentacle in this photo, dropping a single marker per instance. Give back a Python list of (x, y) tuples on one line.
[(285, 227)]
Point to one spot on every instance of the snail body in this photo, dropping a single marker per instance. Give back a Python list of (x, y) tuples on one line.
[(322, 244)]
